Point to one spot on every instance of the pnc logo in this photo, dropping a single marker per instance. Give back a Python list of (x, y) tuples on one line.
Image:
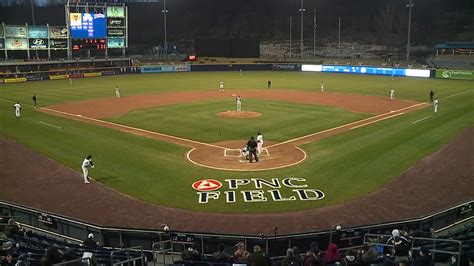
[(207, 185)]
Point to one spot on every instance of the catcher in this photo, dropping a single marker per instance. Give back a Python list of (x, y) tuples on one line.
[(244, 153)]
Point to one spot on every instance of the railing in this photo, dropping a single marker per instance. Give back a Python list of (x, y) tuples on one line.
[(86, 261), (162, 248), (431, 243), (129, 261)]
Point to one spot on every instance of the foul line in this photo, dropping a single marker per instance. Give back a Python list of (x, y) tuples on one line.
[(246, 170), (51, 125), (452, 95), (419, 120), (133, 128), (345, 125), (378, 120)]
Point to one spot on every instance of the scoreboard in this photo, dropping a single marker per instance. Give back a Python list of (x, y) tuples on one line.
[(89, 44)]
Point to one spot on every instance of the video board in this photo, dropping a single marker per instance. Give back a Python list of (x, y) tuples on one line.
[(88, 25)]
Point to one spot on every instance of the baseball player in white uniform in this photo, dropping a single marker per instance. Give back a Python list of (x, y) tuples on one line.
[(392, 94), (435, 105), (238, 100), (86, 164), (322, 86), (259, 143), (245, 152), (117, 92), (70, 81), (221, 86), (17, 108)]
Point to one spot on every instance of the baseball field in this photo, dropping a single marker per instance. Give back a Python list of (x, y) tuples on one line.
[(168, 131)]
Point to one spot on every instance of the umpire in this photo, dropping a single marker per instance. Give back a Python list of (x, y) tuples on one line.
[(252, 145)]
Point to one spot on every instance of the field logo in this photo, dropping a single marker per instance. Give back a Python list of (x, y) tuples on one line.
[(257, 190), (207, 185), (446, 74)]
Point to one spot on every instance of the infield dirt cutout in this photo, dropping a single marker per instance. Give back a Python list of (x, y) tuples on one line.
[(225, 155)]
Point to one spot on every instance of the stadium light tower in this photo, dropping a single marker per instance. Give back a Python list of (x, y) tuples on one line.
[(302, 10), (166, 37), (410, 5), (291, 52)]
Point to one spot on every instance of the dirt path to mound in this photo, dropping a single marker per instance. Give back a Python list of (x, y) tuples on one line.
[(110, 107), (439, 181), (216, 155)]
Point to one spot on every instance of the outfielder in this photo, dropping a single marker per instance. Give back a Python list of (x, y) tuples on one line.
[(117, 92), (239, 103), (322, 86), (392, 93), (17, 108), (259, 143), (221, 86), (86, 164)]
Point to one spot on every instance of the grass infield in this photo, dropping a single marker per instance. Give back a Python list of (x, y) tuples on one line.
[(343, 167)]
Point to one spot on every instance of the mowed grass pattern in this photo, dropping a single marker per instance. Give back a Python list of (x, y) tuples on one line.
[(199, 121), (344, 166)]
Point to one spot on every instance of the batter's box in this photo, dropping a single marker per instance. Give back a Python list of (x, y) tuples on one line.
[(235, 153)]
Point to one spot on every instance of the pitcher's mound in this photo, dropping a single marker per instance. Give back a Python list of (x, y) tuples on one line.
[(241, 114)]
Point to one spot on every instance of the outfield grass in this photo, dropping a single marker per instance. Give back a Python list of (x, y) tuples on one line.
[(344, 166), (198, 121)]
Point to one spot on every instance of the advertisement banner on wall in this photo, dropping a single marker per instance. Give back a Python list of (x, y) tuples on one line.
[(115, 12), (115, 22), (58, 44), (2, 44), (38, 43), (116, 43), (455, 74), (115, 32), (58, 32), (37, 32), (55, 77), (14, 80), (16, 44), (15, 31)]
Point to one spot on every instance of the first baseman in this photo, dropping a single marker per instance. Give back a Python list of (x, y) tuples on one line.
[(117, 92), (392, 93), (17, 107), (86, 164)]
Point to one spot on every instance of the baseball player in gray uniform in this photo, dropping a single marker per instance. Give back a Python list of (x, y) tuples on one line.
[(435, 105), (392, 93), (86, 164), (239, 103)]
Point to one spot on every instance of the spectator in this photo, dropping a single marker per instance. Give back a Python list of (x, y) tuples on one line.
[(258, 258), (298, 255), (368, 254), (7, 260), (221, 255), (52, 256), (471, 260), (89, 241), (401, 246), (291, 259), (313, 256), (13, 228), (350, 258), (424, 259), (241, 254), (426, 232), (332, 254), (191, 253)]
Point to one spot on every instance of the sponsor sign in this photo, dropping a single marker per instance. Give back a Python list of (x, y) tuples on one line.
[(93, 74), (285, 67), (156, 69), (115, 22), (312, 68), (115, 32), (15, 31), (58, 32), (116, 43), (182, 68), (115, 12), (38, 43), (108, 73), (455, 74), (37, 32), (55, 77), (255, 190), (34, 78), (14, 80), (58, 44), (1, 30), (2, 44), (16, 44)]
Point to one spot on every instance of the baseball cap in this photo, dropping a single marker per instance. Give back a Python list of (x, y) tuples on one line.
[(91, 235), (395, 233)]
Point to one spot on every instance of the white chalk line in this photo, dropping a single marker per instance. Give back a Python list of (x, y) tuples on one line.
[(48, 124), (453, 95), (133, 128), (375, 121), (419, 120)]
